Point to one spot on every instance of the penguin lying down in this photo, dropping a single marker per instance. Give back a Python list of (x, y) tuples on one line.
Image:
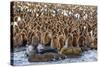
[(45, 54), (46, 57), (71, 52), (42, 54)]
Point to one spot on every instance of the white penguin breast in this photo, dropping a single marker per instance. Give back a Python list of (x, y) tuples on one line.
[(39, 47), (19, 19), (15, 24), (29, 49), (66, 44)]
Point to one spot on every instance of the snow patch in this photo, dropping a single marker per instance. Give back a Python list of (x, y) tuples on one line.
[(87, 56)]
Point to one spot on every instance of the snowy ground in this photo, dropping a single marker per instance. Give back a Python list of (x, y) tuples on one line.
[(20, 59)]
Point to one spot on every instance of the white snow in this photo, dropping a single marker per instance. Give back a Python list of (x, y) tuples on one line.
[(87, 56)]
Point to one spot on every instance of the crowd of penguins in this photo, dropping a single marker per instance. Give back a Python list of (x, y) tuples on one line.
[(54, 26)]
